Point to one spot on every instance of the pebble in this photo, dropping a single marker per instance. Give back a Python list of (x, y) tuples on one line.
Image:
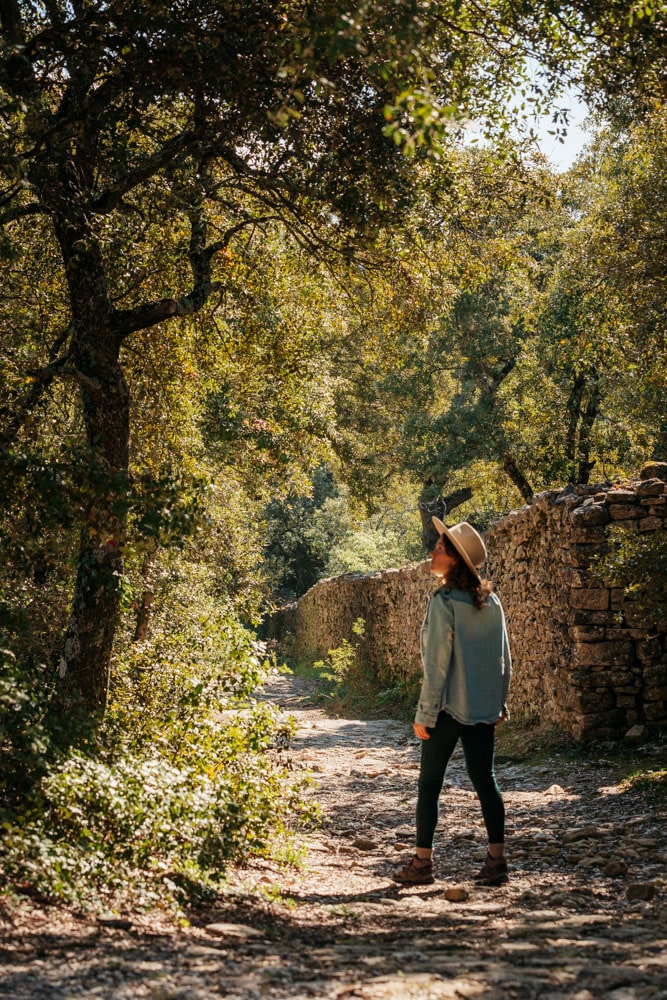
[(364, 844), (235, 931), (583, 833), (640, 891), (456, 894), (614, 868)]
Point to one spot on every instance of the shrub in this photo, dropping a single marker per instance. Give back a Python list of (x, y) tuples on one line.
[(182, 780)]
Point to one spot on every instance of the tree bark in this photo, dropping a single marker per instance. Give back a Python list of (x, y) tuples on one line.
[(574, 412), (516, 475), (430, 507), (145, 609), (84, 664), (94, 361), (580, 425), (584, 464)]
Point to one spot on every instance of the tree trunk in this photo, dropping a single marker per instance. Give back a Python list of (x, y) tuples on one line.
[(584, 465), (430, 506), (84, 664), (516, 475), (145, 609), (574, 413), (93, 359)]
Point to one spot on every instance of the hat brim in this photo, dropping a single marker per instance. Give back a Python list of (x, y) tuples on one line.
[(442, 529)]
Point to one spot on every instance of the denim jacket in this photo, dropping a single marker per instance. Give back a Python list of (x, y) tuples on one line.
[(466, 660)]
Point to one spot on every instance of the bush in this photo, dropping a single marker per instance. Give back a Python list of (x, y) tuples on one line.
[(146, 828), (182, 780), (638, 564)]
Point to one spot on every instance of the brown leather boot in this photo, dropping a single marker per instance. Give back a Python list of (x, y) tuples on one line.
[(418, 871), (493, 872)]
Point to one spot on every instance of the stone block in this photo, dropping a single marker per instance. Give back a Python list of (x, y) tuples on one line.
[(654, 470), (630, 525), (620, 496), (581, 555), (584, 617), (655, 693), (597, 701), (611, 653), (649, 524), (655, 711), (595, 514), (588, 720), (649, 650), (614, 634), (655, 674), (626, 701), (593, 535), (587, 633), (650, 488), (657, 505), (623, 679), (590, 598)]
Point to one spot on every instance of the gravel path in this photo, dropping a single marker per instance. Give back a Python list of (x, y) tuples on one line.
[(584, 916)]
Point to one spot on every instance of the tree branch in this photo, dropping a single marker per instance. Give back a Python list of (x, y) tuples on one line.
[(21, 211), (142, 317), (110, 198)]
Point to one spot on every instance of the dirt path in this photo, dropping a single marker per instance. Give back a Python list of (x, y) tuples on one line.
[(340, 928)]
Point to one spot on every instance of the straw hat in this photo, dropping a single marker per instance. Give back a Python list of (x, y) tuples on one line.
[(467, 542)]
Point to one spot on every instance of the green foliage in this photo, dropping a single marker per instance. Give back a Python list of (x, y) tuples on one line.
[(300, 531), (340, 661), (638, 564), (369, 548), (25, 738), (326, 534), (142, 825), (651, 785), (344, 683), (182, 780)]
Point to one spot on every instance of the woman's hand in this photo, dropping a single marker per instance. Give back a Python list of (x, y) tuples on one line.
[(421, 732)]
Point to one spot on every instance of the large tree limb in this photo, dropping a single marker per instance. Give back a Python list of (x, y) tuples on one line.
[(142, 317), (21, 211), (111, 198), (516, 475)]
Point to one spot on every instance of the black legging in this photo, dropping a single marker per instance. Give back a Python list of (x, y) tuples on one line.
[(477, 742)]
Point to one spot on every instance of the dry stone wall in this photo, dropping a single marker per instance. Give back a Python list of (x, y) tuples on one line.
[(585, 659), (392, 604)]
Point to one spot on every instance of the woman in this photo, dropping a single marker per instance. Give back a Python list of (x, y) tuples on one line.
[(466, 664)]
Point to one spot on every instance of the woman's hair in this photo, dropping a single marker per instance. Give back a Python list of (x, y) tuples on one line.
[(461, 577)]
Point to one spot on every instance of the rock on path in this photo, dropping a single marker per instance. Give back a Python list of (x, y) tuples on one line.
[(583, 918)]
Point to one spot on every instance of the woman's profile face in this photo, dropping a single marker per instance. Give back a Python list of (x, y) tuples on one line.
[(441, 562)]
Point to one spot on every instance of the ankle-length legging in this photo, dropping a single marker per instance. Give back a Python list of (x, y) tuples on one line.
[(477, 742)]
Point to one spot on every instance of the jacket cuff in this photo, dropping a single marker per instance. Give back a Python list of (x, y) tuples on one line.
[(426, 716)]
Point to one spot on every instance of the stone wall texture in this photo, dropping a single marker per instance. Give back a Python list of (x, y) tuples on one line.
[(585, 659)]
